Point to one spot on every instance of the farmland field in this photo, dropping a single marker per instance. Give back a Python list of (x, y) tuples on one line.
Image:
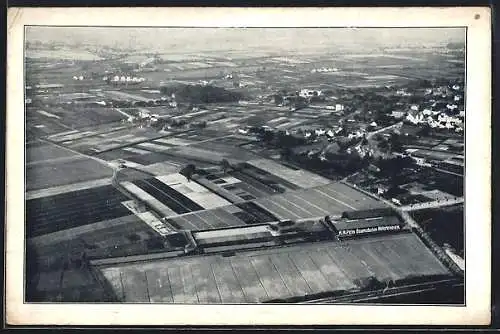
[(444, 225), (68, 210), (77, 117), (156, 157), (285, 175), (227, 149), (38, 125), (124, 96), (42, 151), (117, 154), (195, 74), (102, 234), (173, 57), (51, 175), (276, 273), (167, 195), (331, 199), (83, 117), (61, 54), (109, 140), (114, 167), (206, 220)]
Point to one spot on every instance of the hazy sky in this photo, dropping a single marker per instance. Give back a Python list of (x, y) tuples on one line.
[(199, 39)]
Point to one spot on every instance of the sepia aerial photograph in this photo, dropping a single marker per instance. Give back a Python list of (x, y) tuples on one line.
[(184, 165)]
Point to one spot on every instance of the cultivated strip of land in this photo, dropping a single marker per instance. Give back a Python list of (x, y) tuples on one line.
[(66, 188)]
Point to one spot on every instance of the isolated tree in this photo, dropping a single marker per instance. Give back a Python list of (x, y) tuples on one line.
[(396, 144), (200, 125), (426, 130), (371, 283), (134, 237), (266, 136), (188, 171), (383, 145), (278, 99), (84, 261), (225, 165), (286, 153)]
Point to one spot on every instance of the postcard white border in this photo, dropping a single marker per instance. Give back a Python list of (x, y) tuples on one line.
[(478, 109)]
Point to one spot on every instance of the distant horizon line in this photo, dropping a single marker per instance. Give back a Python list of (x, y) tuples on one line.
[(238, 36)]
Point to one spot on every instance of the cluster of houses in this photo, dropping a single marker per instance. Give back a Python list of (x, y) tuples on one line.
[(324, 69), (306, 93), (322, 132), (441, 91), (123, 79), (437, 119), (143, 116), (115, 79), (445, 91), (403, 92), (337, 107), (444, 114)]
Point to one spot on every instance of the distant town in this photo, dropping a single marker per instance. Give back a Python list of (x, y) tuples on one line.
[(252, 176)]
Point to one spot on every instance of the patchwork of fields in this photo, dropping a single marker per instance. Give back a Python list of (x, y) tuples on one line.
[(107, 177)]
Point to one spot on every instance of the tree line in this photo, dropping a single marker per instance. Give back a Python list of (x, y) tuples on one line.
[(201, 94)]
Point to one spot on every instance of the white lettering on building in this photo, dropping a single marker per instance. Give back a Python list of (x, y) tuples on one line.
[(369, 230)]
